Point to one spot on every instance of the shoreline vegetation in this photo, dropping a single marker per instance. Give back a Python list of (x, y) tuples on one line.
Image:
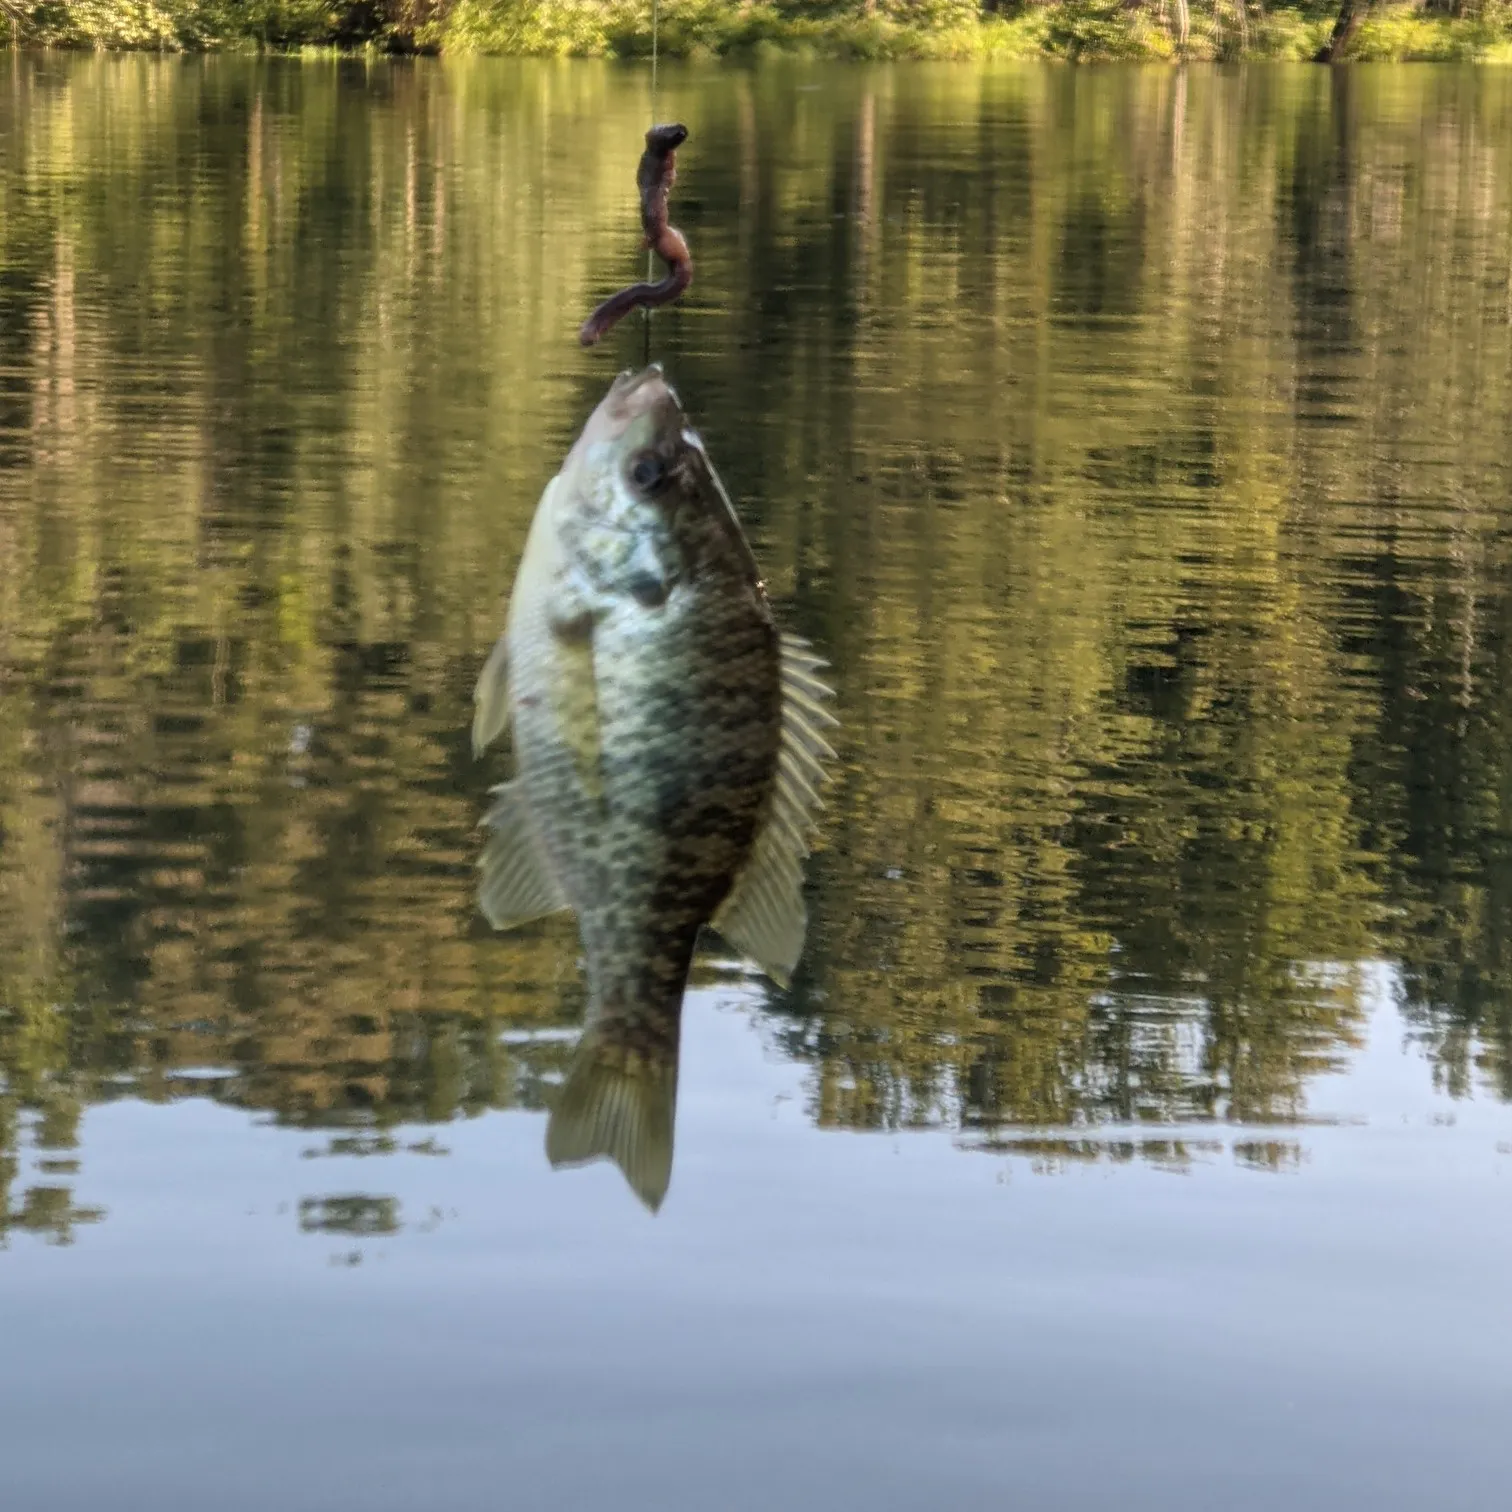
[(1071, 30)]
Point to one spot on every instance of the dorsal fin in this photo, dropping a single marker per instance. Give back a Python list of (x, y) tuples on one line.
[(763, 917)]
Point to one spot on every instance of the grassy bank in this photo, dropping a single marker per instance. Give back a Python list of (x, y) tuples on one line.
[(1077, 30)]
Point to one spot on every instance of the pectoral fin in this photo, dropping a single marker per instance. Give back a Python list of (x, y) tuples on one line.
[(491, 698), (763, 917), (518, 884), (537, 564)]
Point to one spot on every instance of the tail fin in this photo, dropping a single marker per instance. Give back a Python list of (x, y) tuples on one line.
[(619, 1100)]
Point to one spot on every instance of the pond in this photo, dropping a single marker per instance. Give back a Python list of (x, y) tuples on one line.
[(1137, 1129)]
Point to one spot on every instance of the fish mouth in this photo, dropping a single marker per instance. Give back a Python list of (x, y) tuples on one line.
[(629, 380), (635, 394), (649, 384)]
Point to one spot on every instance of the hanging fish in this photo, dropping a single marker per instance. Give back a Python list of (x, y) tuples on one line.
[(668, 749)]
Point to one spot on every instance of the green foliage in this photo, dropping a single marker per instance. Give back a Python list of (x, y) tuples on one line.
[(705, 28), (1289, 36), (172, 24), (1097, 29), (527, 28), (1074, 30), (101, 23), (195, 24), (1404, 33)]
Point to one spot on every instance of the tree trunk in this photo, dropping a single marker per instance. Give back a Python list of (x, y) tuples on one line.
[(1351, 14)]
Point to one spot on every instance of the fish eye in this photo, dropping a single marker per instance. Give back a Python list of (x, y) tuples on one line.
[(647, 471)]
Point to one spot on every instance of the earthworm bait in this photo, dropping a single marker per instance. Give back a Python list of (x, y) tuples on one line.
[(655, 177)]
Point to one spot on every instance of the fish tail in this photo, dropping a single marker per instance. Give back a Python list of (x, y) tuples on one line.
[(619, 1101)]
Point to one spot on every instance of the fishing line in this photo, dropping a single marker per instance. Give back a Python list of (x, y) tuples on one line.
[(650, 256), (654, 177)]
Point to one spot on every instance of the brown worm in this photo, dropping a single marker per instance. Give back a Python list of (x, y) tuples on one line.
[(655, 177)]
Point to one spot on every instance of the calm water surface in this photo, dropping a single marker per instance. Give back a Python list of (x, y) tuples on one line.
[(1137, 1131)]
